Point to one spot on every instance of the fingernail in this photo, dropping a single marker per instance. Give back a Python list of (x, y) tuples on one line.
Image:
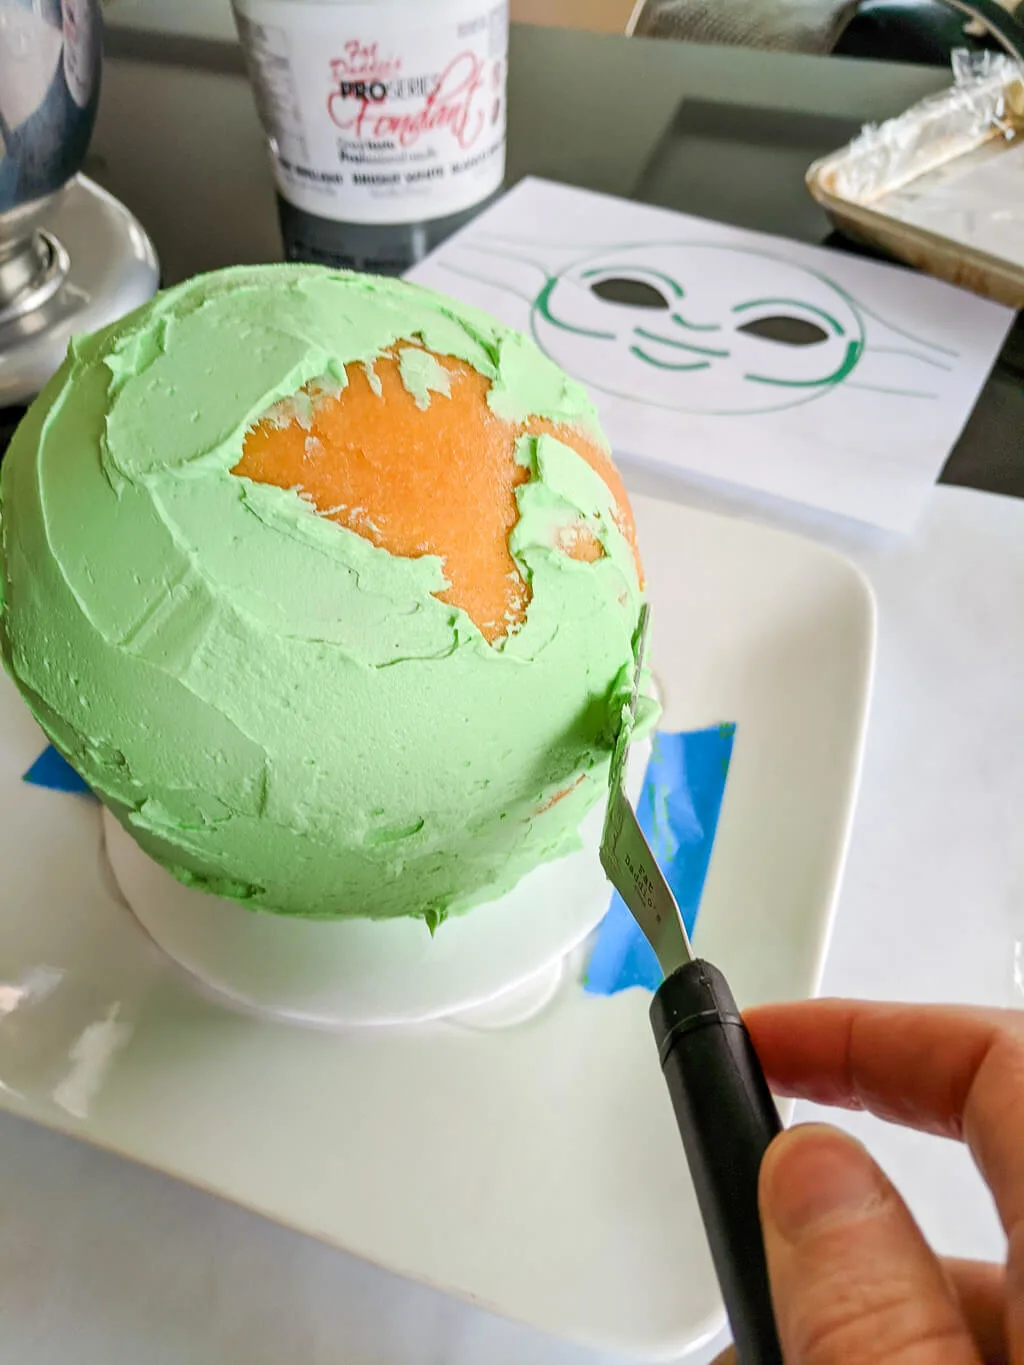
[(813, 1175)]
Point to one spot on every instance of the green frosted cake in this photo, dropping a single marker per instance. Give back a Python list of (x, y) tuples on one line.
[(328, 588)]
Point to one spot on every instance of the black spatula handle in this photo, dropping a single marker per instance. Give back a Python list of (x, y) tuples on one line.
[(727, 1118)]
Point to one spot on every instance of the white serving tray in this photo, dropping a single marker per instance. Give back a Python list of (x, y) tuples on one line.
[(535, 1170)]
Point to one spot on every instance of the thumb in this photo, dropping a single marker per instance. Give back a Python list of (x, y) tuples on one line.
[(853, 1281)]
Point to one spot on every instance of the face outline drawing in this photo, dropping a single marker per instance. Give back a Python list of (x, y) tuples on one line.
[(699, 328)]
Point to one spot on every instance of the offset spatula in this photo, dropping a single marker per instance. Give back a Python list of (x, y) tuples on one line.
[(725, 1112)]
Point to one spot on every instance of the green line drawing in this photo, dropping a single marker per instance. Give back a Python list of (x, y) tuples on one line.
[(665, 364), (896, 393), (849, 361), (678, 345), (914, 355), (507, 255), (797, 304), (909, 336), (680, 321), (543, 307), (610, 271), (624, 319), (482, 279)]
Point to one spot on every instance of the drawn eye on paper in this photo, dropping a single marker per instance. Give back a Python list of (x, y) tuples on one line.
[(703, 328)]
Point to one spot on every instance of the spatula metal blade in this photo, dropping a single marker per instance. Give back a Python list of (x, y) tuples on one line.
[(625, 854)]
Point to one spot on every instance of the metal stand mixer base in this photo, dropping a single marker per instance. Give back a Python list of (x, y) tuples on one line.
[(91, 262)]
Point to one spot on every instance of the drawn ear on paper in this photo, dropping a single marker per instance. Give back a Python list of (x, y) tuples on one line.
[(518, 269), (898, 363), (704, 328)]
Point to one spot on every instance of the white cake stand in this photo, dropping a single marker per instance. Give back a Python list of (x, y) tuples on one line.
[(506, 954)]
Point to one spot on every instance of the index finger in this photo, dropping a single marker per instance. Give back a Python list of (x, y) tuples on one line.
[(952, 1071)]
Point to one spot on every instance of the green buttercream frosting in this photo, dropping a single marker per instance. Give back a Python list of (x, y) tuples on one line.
[(422, 374), (275, 708)]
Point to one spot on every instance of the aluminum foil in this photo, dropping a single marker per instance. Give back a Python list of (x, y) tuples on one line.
[(942, 186), (985, 104)]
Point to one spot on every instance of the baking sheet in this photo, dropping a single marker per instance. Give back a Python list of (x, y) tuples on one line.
[(534, 1169), (942, 186)]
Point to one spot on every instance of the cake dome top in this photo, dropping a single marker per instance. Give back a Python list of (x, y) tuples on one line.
[(299, 566)]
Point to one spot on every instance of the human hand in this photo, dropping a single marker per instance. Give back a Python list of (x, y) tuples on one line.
[(853, 1280)]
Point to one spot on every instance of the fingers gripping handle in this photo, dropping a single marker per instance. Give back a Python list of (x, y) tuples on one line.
[(727, 1118)]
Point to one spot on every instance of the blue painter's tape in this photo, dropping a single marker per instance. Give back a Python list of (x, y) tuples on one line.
[(51, 771), (678, 812)]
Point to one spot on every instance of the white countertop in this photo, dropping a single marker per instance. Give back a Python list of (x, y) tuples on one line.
[(101, 1261)]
